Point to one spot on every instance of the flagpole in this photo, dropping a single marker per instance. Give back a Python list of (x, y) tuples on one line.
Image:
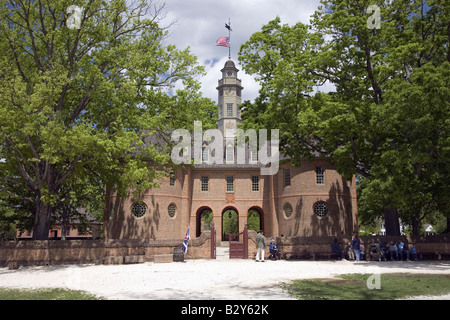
[(229, 36)]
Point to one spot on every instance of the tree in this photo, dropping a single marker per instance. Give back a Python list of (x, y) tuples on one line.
[(387, 119), (81, 89)]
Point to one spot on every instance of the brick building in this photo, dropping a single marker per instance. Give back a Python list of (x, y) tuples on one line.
[(311, 200)]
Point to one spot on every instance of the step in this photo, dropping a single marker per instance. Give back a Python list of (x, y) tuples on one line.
[(134, 259), (113, 260), (222, 253), (223, 244)]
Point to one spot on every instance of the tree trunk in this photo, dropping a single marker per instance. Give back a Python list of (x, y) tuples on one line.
[(415, 223), (64, 222), (42, 219), (448, 226), (391, 221)]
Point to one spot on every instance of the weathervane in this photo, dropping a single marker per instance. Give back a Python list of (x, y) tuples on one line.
[(228, 26), (225, 41)]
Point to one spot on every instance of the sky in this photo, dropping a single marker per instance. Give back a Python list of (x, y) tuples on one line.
[(199, 23)]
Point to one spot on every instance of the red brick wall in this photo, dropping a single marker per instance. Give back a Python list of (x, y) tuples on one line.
[(186, 194), (49, 252), (94, 251), (298, 246)]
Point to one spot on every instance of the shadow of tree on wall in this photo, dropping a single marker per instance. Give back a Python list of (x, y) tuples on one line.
[(339, 220), (294, 229), (124, 225)]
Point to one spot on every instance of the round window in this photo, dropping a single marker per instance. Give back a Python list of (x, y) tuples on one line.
[(172, 210), (287, 209), (320, 209), (138, 209)]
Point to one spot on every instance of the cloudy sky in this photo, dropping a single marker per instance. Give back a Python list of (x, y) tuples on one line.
[(199, 23)]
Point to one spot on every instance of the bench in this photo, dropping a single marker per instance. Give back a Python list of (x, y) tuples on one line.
[(326, 256), (427, 255), (304, 255)]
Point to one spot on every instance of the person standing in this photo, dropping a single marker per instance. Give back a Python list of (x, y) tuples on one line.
[(260, 246), (356, 246)]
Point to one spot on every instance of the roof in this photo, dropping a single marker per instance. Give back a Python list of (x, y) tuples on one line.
[(229, 65)]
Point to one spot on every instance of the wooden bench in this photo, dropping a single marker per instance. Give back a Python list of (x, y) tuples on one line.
[(304, 255), (326, 256), (424, 255)]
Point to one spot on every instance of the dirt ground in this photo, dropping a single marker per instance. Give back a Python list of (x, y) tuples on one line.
[(222, 279)]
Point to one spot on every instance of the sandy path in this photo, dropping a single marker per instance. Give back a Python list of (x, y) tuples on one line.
[(200, 279)]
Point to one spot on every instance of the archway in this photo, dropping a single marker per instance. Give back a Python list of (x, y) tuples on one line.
[(230, 222), (255, 219), (204, 219)]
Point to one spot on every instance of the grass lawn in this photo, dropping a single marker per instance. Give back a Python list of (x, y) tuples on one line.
[(354, 287), (45, 294)]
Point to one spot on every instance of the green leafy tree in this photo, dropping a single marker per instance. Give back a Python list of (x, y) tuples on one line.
[(387, 119), (81, 90)]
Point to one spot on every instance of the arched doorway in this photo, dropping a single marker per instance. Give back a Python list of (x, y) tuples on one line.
[(230, 222), (204, 220), (255, 219)]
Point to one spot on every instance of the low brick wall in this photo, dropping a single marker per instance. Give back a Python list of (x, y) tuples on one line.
[(428, 247), (57, 252)]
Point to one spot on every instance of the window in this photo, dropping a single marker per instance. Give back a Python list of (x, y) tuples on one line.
[(287, 177), (205, 155), (230, 155), (287, 210), (229, 109), (138, 209), (255, 183), (172, 210), (320, 175), (320, 209), (172, 178), (205, 183), (230, 183), (253, 156)]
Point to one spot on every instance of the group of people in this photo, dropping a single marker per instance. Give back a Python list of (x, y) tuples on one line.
[(355, 250), (261, 247), (397, 250)]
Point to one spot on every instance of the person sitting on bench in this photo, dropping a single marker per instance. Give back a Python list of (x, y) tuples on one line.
[(335, 248), (274, 252)]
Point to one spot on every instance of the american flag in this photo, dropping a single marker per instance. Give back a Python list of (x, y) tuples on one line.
[(186, 240), (223, 42)]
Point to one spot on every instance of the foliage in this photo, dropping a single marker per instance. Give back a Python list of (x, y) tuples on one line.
[(45, 294), (207, 219), (230, 223), (387, 119), (253, 220), (78, 104)]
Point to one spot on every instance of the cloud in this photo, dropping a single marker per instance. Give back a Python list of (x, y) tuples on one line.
[(199, 23)]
